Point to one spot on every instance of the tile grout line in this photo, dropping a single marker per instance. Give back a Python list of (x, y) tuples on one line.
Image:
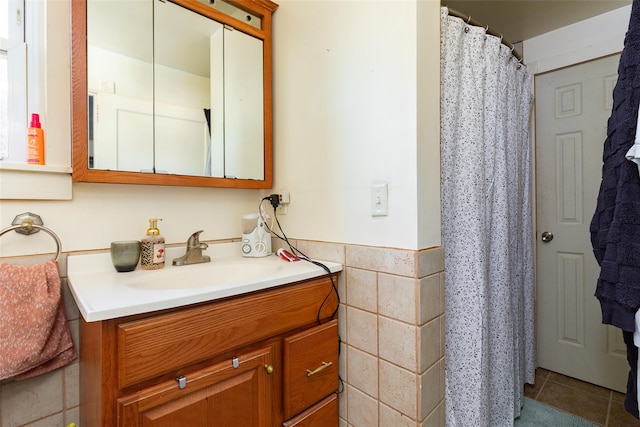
[(606, 419), (546, 378)]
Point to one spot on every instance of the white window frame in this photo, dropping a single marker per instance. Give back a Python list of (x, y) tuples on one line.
[(25, 66)]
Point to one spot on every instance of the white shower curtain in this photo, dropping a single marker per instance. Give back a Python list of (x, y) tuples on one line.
[(486, 227)]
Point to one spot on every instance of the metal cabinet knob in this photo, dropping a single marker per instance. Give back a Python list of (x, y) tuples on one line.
[(269, 369), (547, 236), (182, 381)]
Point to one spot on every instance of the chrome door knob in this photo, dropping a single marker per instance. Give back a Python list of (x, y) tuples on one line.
[(547, 236)]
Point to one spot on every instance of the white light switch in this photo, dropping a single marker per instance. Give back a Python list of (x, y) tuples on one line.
[(379, 199)]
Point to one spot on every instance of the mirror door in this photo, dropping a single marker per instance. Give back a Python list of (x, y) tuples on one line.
[(188, 85), (120, 85), (243, 106)]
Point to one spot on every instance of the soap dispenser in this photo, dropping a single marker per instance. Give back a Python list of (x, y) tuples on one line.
[(152, 251)]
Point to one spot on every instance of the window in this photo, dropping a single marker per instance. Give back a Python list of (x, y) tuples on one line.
[(16, 32), (30, 32)]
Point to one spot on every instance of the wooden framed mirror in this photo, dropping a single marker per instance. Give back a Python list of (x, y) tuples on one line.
[(124, 132)]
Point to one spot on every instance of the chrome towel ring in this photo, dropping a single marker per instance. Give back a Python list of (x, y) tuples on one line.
[(30, 223)]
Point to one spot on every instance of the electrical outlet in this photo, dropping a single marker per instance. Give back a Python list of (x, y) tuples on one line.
[(283, 198)]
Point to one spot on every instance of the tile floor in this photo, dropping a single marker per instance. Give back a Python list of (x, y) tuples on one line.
[(596, 404)]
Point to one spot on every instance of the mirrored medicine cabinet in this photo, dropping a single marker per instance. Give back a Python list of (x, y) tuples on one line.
[(172, 92)]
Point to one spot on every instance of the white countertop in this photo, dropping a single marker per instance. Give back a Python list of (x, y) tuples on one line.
[(102, 293)]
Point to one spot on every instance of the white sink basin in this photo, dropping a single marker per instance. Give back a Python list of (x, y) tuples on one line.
[(222, 272), (102, 293)]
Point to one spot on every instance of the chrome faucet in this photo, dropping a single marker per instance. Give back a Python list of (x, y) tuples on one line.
[(194, 251)]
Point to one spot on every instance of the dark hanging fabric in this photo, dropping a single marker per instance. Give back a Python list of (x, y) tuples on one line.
[(615, 227)]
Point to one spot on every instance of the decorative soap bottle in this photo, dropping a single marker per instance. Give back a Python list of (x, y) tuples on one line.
[(152, 251)]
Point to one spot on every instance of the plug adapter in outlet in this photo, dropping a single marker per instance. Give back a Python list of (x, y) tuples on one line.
[(283, 198)]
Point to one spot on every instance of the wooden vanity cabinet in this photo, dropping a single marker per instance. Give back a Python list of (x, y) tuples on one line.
[(240, 361)]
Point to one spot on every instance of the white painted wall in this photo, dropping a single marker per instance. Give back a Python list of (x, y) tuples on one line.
[(347, 113), (428, 155), (593, 38)]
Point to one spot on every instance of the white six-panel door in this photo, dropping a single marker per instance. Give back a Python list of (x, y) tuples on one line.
[(572, 108)]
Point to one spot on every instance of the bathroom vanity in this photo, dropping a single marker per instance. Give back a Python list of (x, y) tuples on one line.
[(263, 354)]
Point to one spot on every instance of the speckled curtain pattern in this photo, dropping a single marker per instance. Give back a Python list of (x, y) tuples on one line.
[(486, 227)]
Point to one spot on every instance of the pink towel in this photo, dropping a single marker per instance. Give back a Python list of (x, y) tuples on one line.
[(34, 332)]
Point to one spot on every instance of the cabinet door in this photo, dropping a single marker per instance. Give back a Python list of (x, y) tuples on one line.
[(226, 394)]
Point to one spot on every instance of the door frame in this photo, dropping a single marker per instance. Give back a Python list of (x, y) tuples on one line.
[(566, 47)]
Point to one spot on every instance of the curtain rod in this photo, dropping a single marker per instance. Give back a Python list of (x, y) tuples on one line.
[(469, 20)]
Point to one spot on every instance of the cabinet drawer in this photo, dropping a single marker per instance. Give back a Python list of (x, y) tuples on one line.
[(310, 367), (324, 414), (165, 343)]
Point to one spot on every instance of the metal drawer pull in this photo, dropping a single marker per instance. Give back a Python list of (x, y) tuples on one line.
[(319, 369), (269, 368)]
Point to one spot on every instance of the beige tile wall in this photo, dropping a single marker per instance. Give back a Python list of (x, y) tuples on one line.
[(392, 331), (391, 325), (51, 399)]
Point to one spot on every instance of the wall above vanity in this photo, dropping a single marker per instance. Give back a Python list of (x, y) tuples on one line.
[(173, 92)]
